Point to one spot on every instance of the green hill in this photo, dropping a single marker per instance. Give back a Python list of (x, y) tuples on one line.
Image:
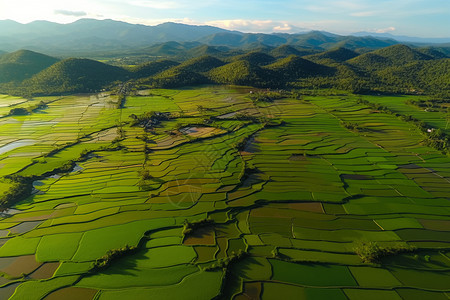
[(294, 67), (74, 75), (394, 69), (200, 64), (176, 78), (286, 50), (401, 54), (338, 55), (190, 72), (396, 55), (430, 76), (152, 68), (370, 61), (23, 64), (433, 52), (241, 72), (255, 58)]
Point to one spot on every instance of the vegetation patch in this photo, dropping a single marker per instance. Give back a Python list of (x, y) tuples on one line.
[(111, 256), (371, 252), (190, 226)]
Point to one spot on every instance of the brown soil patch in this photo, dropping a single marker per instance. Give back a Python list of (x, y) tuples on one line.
[(439, 225), (201, 236), (6, 261), (205, 253), (22, 265), (65, 205), (45, 271), (311, 207), (33, 216), (8, 291), (356, 177), (72, 293), (201, 131), (3, 281), (297, 157), (24, 227), (270, 212), (252, 290), (410, 166)]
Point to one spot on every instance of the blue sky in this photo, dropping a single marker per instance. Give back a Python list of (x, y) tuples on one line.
[(423, 18)]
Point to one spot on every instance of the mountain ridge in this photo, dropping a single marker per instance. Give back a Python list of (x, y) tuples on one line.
[(96, 36)]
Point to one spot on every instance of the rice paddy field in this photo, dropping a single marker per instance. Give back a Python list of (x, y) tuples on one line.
[(224, 199)]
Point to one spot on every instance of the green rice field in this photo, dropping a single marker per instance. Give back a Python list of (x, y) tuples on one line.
[(222, 198)]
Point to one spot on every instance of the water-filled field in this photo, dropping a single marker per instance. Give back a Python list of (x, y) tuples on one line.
[(203, 193)]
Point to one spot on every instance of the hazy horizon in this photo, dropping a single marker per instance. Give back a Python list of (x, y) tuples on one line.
[(415, 18)]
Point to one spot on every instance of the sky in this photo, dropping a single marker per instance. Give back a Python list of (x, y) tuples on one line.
[(419, 18)]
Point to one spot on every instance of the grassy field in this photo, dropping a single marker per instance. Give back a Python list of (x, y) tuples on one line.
[(213, 195)]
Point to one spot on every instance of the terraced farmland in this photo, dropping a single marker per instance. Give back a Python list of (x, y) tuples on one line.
[(201, 193)]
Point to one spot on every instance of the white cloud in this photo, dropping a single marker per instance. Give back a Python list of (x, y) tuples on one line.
[(264, 26), (70, 13), (363, 14), (158, 4), (337, 7), (283, 28), (240, 24), (385, 30)]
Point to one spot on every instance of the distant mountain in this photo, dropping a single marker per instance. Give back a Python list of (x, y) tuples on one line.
[(361, 44), (90, 37), (235, 39), (207, 50), (313, 39), (169, 48), (403, 38), (23, 64), (93, 35), (75, 75)]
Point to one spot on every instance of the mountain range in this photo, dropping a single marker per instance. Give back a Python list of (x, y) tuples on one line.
[(404, 38), (90, 37)]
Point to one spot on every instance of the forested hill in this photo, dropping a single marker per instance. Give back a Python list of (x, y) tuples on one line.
[(393, 69), (22, 64)]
